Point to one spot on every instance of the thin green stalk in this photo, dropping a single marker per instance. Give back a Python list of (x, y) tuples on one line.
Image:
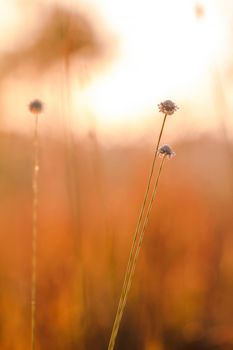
[(131, 266), (34, 231)]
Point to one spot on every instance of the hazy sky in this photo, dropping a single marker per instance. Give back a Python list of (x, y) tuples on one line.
[(176, 49)]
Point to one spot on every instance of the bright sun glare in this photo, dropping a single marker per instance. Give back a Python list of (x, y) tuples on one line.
[(166, 51)]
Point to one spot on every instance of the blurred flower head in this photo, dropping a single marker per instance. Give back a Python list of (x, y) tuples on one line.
[(166, 151), (167, 107), (36, 106), (199, 11)]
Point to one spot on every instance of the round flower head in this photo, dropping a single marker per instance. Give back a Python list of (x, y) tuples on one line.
[(199, 11), (167, 107), (36, 106), (166, 151)]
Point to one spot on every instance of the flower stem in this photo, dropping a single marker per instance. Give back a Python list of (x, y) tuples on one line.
[(138, 247), (136, 235), (34, 231)]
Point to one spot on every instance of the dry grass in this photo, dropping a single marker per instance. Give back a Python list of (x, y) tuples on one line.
[(182, 290)]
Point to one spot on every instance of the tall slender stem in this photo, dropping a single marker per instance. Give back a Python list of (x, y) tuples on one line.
[(125, 288), (139, 244), (34, 231)]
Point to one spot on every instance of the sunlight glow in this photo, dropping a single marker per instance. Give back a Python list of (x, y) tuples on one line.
[(166, 51)]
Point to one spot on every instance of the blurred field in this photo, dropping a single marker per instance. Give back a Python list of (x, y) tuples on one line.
[(181, 298), (96, 144)]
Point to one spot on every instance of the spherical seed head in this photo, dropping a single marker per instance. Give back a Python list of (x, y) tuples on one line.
[(199, 11), (167, 107), (36, 106), (166, 151)]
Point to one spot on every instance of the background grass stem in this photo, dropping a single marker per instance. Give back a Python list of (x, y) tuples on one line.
[(34, 232)]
